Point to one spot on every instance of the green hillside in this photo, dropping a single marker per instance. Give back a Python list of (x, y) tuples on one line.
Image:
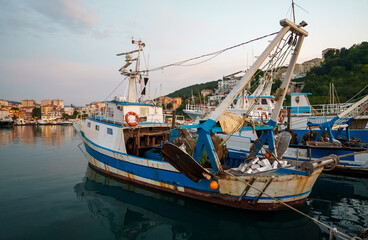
[(186, 93), (346, 68)]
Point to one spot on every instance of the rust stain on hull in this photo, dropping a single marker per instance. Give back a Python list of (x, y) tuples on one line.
[(211, 197)]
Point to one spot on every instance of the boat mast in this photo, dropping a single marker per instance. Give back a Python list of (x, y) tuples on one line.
[(132, 75), (287, 25), (292, 5)]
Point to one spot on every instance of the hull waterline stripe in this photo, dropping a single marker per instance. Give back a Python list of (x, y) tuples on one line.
[(183, 179)]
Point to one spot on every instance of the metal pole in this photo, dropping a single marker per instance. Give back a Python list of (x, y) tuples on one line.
[(283, 88), (247, 76)]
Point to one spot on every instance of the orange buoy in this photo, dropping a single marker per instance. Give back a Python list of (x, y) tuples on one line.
[(264, 118), (282, 118), (214, 185), (267, 155)]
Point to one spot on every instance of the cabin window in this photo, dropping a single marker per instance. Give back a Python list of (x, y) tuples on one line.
[(97, 127), (264, 101), (144, 111), (143, 119), (109, 131), (110, 112), (89, 124)]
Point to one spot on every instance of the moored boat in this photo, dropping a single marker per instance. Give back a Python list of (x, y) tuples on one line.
[(66, 123), (128, 211), (319, 141), (6, 122), (130, 141)]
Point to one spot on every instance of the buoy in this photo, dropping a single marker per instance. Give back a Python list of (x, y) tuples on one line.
[(267, 155), (129, 122), (264, 118), (214, 185)]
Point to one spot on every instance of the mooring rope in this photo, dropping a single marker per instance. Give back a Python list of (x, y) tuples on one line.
[(354, 153), (332, 229)]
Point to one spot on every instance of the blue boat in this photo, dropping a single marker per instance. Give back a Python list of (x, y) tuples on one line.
[(133, 212), (131, 141)]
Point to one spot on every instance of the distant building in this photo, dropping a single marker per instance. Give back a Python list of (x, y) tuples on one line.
[(58, 102), (4, 103), (300, 70), (93, 108), (206, 92), (54, 114), (46, 109), (213, 100), (224, 86), (46, 102), (28, 103), (176, 102), (69, 110), (52, 109)]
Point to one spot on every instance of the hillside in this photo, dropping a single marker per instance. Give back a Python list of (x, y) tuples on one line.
[(346, 68), (186, 93)]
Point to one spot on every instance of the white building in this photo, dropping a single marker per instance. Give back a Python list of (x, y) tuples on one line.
[(69, 110)]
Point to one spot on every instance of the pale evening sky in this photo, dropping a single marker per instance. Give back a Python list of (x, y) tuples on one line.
[(67, 48)]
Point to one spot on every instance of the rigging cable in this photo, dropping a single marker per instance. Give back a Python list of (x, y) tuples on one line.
[(281, 60), (115, 89), (207, 55), (357, 94)]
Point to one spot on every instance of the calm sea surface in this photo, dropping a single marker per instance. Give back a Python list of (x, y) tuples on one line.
[(47, 191)]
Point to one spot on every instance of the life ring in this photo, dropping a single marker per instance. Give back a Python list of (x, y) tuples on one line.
[(129, 122), (282, 117), (264, 117)]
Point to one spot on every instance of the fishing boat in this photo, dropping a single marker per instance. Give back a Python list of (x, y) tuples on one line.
[(130, 141), (257, 106), (134, 212), (66, 123), (319, 141), (302, 112), (6, 122)]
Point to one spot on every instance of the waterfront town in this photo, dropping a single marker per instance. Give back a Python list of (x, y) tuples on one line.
[(54, 111)]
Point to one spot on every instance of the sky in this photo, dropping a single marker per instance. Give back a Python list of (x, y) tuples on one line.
[(66, 49)]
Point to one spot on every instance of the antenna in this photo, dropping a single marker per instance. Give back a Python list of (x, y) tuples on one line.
[(133, 75), (292, 6)]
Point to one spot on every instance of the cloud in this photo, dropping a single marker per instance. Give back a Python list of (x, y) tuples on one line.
[(47, 16), (68, 13), (108, 32)]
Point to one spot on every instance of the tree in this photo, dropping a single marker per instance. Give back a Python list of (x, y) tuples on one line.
[(75, 114), (65, 116), (169, 106), (36, 113)]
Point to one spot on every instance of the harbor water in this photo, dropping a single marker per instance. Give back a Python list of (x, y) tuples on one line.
[(48, 191)]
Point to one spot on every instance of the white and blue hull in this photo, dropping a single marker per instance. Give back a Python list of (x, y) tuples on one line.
[(107, 154)]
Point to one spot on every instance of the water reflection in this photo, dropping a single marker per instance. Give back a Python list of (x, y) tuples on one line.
[(131, 212), (341, 202), (31, 135)]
